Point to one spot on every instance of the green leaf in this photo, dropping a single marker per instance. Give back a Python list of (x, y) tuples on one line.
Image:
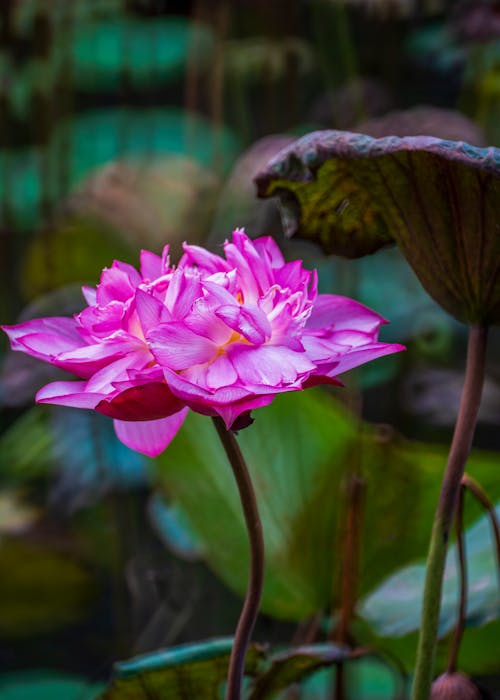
[(184, 672), (292, 665), (300, 452), (365, 678), (46, 685), (394, 608), (296, 466)]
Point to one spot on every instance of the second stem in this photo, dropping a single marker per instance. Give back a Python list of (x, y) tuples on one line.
[(446, 509)]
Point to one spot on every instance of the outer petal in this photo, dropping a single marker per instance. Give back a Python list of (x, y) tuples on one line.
[(343, 314), (358, 356), (150, 437), (61, 333), (69, 394), (147, 402), (231, 412)]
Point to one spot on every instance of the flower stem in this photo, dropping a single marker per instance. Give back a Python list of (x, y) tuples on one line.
[(256, 575), (446, 509)]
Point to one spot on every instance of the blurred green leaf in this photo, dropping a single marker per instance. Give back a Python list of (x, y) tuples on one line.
[(394, 608), (189, 670), (46, 685)]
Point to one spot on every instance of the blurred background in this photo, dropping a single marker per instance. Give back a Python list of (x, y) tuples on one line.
[(128, 124)]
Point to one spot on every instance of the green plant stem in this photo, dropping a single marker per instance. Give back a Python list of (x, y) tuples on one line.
[(462, 567), (446, 509), (256, 575)]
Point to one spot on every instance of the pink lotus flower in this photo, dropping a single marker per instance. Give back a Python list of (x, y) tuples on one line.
[(219, 336)]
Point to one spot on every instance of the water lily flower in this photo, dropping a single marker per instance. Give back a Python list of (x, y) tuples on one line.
[(219, 335)]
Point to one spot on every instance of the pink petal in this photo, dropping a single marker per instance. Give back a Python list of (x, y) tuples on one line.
[(115, 285), (204, 259), (60, 329), (89, 294), (69, 394), (151, 311), (176, 346), (183, 290), (268, 365), (358, 356), (142, 403), (231, 412), (342, 313), (150, 265), (249, 321), (150, 437), (220, 373), (267, 247)]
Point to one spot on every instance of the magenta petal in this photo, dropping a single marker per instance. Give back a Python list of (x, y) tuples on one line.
[(268, 365), (359, 356), (150, 310), (231, 413), (343, 314), (150, 437), (150, 266), (142, 403), (203, 259), (176, 346), (61, 331), (69, 394), (249, 321)]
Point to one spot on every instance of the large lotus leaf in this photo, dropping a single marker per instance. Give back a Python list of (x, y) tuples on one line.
[(436, 199), (151, 202), (46, 685), (77, 450), (138, 53), (41, 590), (394, 608), (300, 451), (179, 673)]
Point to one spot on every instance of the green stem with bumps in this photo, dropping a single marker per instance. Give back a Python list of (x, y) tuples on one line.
[(446, 510)]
